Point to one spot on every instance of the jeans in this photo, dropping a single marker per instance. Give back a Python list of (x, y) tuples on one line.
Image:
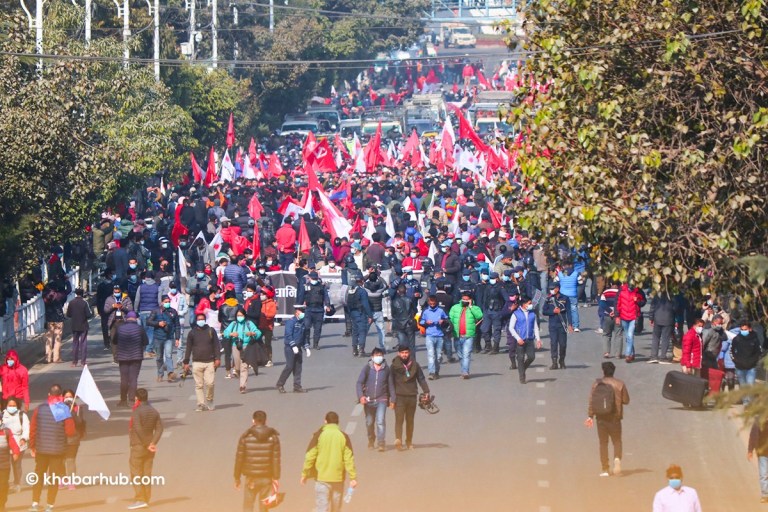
[(164, 357), (574, 311), (143, 317), (79, 347), (140, 462), (543, 278), (285, 259), (255, 490), (762, 463), (313, 320), (661, 334), (629, 337), (612, 337), (293, 363), (434, 349), (376, 418), (204, 375), (359, 329), (526, 354), (746, 378), (405, 410), (129, 379), (465, 353), (609, 429), (407, 338), (328, 496), (450, 345), (378, 321)]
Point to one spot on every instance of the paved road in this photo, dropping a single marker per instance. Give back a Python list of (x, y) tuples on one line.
[(496, 444)]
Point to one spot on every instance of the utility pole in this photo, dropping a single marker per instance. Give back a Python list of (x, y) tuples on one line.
[(36, 23), (125, 12), (156, 40), (192, 29), (214, 35), (271, 16), (234, 22), (88, 12)]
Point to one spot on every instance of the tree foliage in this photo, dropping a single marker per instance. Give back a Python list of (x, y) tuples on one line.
[(651, 143), (72, 141)]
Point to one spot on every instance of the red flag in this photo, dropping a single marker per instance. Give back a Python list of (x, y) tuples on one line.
[(312, 182), (256, 245), (309, 148), (432, 78), (372, 151), (304, 244), (210, 173), (341, 146), (274, 169), (231, 131), (255, 208), (467, 132), (495, 217), (179, 229), (483, 81), (197, 172), (252, 156), (323, 157), (412, 145)]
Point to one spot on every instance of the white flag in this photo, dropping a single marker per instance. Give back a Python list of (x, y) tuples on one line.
[(370, 230), (162, 186), (90, 394), (182, 264), (227, 172), (216, 244), (390, 225)]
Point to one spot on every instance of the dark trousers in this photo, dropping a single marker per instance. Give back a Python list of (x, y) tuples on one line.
[(313, 318), (359, 329), (255, 490), (606, 429), (285, 259), (129, 379), (405, 410), (407, 337), (140, 463), (266, 337), (79, 346), (4, 475), (661, 335), (491, 327), (46, 464), (227, 346), (525, 354), (293, 364), (558, 341), (105, 330)]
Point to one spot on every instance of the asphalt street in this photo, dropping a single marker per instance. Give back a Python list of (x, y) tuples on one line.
[(495, 444)]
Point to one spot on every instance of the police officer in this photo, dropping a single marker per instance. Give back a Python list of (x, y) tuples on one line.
[(360, 313), (375, 286), (558, 309), (481, 290), (314, 295), (348, 271), (412, 286), (403, 322), (465, 286), (494, 303)]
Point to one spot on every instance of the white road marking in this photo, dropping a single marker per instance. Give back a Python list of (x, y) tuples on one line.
[(192, 397), (545, 508), (350, 428), (541, 384), (357, 411), (541, 419), (111, 499), (181, 416), (544, 484), (541, 402), (542, 462), (541, 440), (167, 434), (539, 370)]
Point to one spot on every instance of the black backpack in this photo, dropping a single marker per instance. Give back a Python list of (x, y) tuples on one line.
[(603, 399)]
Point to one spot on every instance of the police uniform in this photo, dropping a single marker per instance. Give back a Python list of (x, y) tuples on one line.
[(494, 304), (315, 298)]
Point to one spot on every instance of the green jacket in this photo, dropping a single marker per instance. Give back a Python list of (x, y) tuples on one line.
[(329, 456), (474, 315)]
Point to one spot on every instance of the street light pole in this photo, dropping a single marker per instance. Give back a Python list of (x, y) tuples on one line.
[(157, 41), (271, 16)]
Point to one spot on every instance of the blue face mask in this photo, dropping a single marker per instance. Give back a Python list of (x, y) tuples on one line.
[(11, 363), (12, 410), (301, 316), (505, 278), (173, 291), (483, 277), (167, 305), (744, 333), (517, 275), (493, 281), (465, 278), (201, 323), (200, 275), (675, 483), (133, 279)]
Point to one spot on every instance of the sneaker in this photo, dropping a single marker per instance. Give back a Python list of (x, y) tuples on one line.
[(299, 389), (398, 445), (115, 363), (617, 466), (49, 508), (522, 380), (599, 331), (576, 329), (269, 364), (281, 389), (410, 447), (606, 355), (200, 408), (381, 448), (228, 375), (605, 473), (431, 376), (665, 361), (209, 406), (370, 445), (137, 505), (652, 361), (34, 508), (465, 376)]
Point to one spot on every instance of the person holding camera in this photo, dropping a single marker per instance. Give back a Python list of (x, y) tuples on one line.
[(375, 391)]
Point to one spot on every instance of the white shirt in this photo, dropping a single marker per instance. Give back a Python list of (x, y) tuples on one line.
[(670, 500)]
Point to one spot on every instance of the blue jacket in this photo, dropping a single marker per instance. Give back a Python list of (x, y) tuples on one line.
[(525, 324), (569, 282), (294, 332), (435, 315), (236, 275)]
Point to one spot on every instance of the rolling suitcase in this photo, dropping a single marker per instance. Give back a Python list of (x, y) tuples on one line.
[(685, 389)]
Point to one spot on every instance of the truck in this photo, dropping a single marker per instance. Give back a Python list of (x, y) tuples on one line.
[(459, 37), (424, 112), (391, 123), (484, 113)]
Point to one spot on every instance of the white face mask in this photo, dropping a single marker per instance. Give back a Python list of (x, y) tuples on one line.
[(698, 329), (377, 359)]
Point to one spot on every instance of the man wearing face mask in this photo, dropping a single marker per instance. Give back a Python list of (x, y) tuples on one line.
[(465, 318), (320, 253), (745, 353), (116, 306), (130, 339), (15, 379), (204, 347), (167, 335), (240, 334), (557, 308), (692, 349), (360, 312), (713, 339), (676, 497), (294, 348), (376, 288), (314, 295), (403, 322), (524, 329), (375, 391), (609, 419), (197, 289), (262, 279), (495, 301), (406, 376)]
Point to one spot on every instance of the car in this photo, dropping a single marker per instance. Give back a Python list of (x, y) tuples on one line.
[(300, 127)]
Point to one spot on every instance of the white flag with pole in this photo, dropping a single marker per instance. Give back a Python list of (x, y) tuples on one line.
[(89, 393)]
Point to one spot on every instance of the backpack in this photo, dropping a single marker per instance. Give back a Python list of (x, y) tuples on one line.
[(603, 399)]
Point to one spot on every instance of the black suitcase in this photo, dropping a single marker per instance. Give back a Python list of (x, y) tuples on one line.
[(683, 388)]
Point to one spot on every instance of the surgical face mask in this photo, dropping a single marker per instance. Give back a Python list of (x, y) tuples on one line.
[(529, 307), (484, 277), (353, 251), (167, 305), (492, 281), (378, 359), (200, 323), (262, 271), (269, 263), (182, 244), (465, 278), (164, 246), (173, 291), (69, 400), (11, 362), (517, 275), (414, 255), (744, 332), (247, 295), (12, 410), (505, 278), (134, 278), (241, 319), (301, 316), (200, 275), (698, 329), (465, 303), (116, 295), (132, 266), (675, 483), (332, 264), (263, 297), (313, 282)]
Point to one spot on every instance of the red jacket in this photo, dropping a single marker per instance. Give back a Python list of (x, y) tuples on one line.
[(627, 304), (15, 379), (692, 348), (286, 239)]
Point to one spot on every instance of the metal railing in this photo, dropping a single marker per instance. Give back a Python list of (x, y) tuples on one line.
[(27, 321)]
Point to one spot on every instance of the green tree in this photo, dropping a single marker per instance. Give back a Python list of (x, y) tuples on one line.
[(650, 145)]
